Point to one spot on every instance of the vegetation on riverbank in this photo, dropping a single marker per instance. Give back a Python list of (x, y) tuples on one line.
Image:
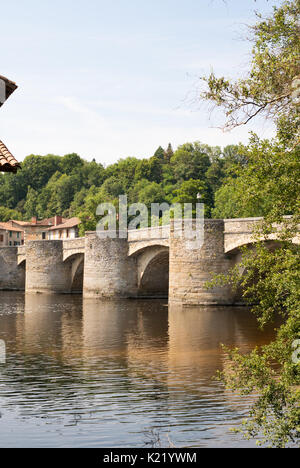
[(271, 180)]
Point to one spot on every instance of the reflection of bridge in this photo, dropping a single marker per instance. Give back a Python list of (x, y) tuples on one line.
[(150, 262)]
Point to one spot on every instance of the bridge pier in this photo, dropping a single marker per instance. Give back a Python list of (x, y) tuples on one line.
[(12, 275), (190, 269), (108, 271), (46, 271)]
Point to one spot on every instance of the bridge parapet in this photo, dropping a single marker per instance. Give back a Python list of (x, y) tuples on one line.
[(21, 253), (239, 232), (160, 232), (73, 246)]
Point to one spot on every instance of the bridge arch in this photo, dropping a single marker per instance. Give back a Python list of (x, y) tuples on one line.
[(75, 261), (153, 270), (236, 254), (236, 250), (21, 274), (234, 243)]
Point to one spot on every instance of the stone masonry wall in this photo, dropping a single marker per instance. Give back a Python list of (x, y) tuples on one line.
[(191, 269), (12, 276), (108, 271), (45, 270)]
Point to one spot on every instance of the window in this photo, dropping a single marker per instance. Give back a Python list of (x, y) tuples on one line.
[(18, 235), (1, 238), (43, 235), (10, 233)]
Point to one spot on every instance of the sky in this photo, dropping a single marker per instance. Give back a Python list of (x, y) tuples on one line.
[(111, 79)]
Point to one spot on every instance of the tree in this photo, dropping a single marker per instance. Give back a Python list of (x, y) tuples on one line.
[(31, 203), (190, 161), (270, 88), (124, 170), (6, 214), (168, 154), (269, 179), (70, 163), (190, 191), (159, 153), (150, 169)]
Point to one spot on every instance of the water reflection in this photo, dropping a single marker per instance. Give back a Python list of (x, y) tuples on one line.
[(89, 373)]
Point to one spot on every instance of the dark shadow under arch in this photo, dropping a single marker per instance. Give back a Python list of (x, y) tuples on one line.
[(76, 265), (21, 275), (155, 279), (236, 255)]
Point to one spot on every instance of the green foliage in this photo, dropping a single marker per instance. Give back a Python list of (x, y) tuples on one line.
[(266, 182), (190, 161), (6, 214), (271, 280), (159, 153), (168, 154), (193, 191), (269, 88), (50, 185), (150, 169), (30, 205)]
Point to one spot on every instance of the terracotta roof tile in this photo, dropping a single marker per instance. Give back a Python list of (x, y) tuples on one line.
[(7, 162), (49, 221), (9, 227), (17, 221), (72, 222)]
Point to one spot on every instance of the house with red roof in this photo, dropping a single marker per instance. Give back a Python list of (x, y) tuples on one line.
[(66, 230), (56, 227), (10, 236)]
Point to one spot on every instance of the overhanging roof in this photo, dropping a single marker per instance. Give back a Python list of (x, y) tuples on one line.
[(7, 162), (10, 87)]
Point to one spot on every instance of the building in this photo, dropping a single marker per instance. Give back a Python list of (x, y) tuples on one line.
[(37, 229), (66, 230), (7, 161), (7, 87), (56, 227), (10, 236)]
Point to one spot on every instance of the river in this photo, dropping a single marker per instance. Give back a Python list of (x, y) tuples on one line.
[(85, 373)]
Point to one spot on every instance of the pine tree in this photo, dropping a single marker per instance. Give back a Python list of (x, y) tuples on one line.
[(169, 153), (159, 153)]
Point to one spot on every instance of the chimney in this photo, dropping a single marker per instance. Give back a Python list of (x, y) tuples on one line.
[(57, 220), (34, 220)]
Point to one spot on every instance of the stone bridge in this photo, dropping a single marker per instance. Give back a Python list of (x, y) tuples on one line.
[(154, 262)]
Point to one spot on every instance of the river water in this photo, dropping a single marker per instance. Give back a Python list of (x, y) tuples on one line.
[(84, 373)]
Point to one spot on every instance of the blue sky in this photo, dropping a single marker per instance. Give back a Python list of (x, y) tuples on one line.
[(111, 79)]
